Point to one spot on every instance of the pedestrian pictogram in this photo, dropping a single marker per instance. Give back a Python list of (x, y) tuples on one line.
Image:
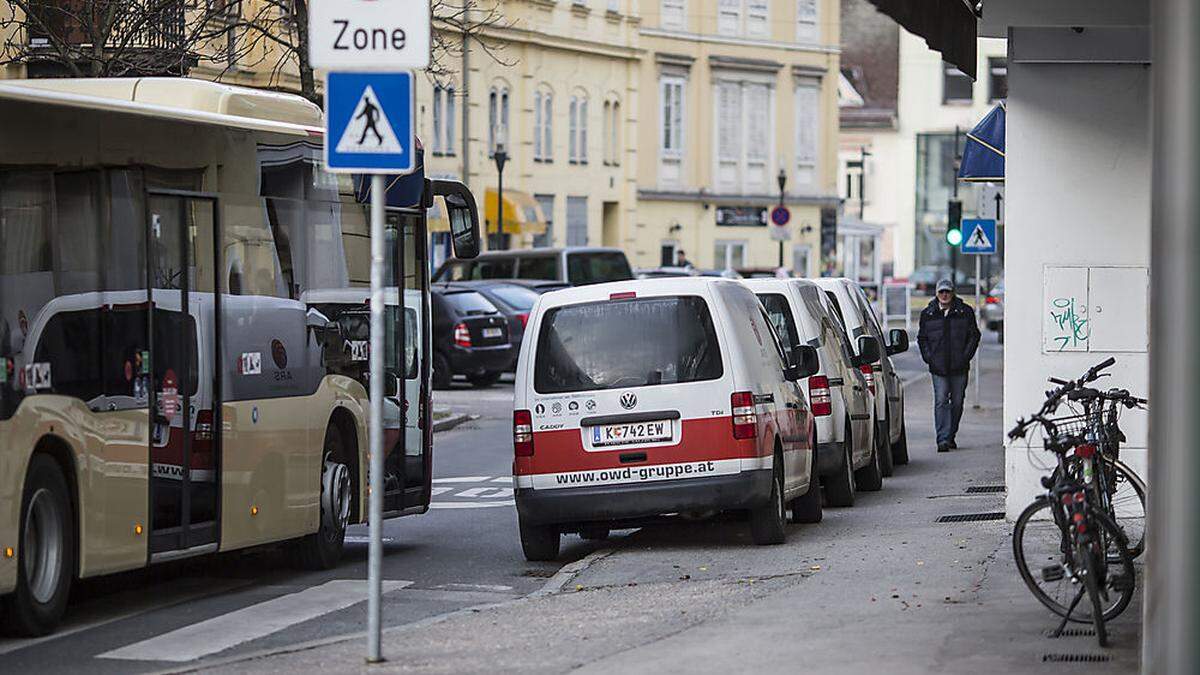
[(369, 129), (981, 237), (369, 122)]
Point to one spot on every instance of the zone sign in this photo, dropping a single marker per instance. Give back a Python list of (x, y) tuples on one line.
[(356, 35)]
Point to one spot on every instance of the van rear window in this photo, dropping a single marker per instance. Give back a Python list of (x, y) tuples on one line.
[(629, 343)]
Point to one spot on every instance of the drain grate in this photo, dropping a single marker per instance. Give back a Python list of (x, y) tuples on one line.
[(1076, 658), (970, 517), (976, 489), (1073, 632)]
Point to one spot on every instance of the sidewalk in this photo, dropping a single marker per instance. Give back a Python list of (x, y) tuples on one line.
[(881, 586)]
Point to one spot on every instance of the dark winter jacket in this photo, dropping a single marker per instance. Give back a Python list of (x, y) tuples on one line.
[(948, 343)]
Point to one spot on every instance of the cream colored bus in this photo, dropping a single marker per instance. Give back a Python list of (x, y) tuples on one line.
[(165, 391)]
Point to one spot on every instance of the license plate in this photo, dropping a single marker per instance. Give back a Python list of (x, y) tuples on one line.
[(631, 432), (492, 332)]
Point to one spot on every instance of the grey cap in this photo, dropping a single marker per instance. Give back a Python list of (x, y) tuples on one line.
[(944, 285)]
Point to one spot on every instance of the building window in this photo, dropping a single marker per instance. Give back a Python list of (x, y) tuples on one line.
[(956, 87), (543, 116), (612, 130), (729, 255), (606, 120), (443, 120), (800, 256), (667, 255), (807, 29), (547, 204), (671, 118), (497, 118), (577, 129), (744, 136), (808, 132), (997, 79), (744, 17), (674, 14), (577, 221)]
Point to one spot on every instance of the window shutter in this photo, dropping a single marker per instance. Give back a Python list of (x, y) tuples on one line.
[(437, 120), (758, 114), (537, 125), (729, 17), (583, 131), (729, 147), (572, 126), (504, 118), (807, 129), (548, 127), (757, 17), (806, 21), (449, 123), (673, 14), (677, 118)]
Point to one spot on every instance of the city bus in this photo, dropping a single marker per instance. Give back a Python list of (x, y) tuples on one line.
[(166, 388)]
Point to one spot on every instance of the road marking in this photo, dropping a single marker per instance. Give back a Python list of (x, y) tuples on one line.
[(495, 588), (250, 623), (463, 479), (461, 495), (485, 492), (97, 614), (439, 491), (502, 479)]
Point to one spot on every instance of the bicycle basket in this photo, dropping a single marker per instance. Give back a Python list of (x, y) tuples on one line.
[(1063, 429)]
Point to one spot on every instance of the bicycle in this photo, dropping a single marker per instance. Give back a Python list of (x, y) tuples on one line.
[(1073, 540)]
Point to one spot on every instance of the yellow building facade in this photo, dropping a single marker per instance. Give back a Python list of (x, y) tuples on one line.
[(734, 92)]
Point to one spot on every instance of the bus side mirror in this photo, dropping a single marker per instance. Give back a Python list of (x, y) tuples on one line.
[(463, 216), (899, 338)]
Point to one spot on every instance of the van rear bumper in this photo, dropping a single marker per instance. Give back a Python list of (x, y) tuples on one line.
[(744, 490)]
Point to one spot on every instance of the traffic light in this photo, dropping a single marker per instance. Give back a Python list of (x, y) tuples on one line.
[(954, 226)]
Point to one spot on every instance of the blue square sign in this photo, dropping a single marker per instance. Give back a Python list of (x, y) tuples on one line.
[(979, 236), (369, 123)]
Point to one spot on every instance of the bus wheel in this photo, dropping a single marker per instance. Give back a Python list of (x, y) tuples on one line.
[(322, 550), (46, 565)]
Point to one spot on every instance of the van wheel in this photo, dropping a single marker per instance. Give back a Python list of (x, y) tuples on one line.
[(442, 375), (900, 449), (767, 522), (840, 487), (886, 467), (46, 564), (485, 380), (870, 477), (538, 542), (323, 549), (594, 533)]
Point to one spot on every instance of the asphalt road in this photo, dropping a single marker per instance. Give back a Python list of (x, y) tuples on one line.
[(464, 552)]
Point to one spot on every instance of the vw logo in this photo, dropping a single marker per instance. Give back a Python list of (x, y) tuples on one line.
[(628, 400)]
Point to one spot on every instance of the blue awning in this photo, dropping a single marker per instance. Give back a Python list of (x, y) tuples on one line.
[(983, 155)]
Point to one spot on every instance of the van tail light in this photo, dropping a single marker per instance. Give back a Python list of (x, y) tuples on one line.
[(992, 300), (522, 433), (745, 420), (869, 374), (462, 336), (624, 295), (524, 319), (818, 395)]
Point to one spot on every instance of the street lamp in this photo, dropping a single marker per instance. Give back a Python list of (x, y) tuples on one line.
[(501, 157), (782, 180)]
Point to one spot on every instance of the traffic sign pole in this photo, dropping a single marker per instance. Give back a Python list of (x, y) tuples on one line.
[(375, 430), (978, 315)]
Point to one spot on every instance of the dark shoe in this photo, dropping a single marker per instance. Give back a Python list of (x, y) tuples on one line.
[(953, 445), (943, 447)]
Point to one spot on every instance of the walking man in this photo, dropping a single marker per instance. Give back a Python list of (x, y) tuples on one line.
[(948, 336), (372, 114)]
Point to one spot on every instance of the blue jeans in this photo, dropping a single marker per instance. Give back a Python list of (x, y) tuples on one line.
[(948, 394)]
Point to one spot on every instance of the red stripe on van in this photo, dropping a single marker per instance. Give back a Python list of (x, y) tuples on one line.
[(704, 438)]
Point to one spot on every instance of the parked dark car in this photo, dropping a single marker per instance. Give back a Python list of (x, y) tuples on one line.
[(470, 337), (575, 265), (514, 299)]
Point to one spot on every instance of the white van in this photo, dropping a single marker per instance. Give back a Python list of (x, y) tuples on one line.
[(657, 396), (841, 402), (849, 300)]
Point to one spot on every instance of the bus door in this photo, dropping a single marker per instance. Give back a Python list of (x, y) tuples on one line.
[(407, 362), (184, 391)]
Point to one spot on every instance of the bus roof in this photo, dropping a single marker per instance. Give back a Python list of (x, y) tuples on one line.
[(176, 98)]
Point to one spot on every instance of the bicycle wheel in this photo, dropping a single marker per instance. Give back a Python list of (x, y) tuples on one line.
[(1127, 504), (1047, 562)]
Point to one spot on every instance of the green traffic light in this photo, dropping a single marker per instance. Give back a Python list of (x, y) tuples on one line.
[(954, 237)]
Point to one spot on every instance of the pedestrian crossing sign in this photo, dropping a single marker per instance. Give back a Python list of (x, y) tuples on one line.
[(980, 236), (369, 123)]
